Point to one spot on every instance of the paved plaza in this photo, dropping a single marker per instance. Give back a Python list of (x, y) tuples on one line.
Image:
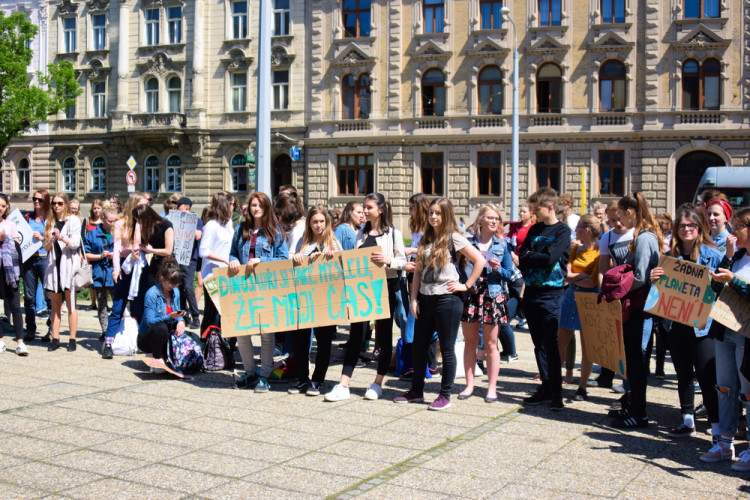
[(77, 426)]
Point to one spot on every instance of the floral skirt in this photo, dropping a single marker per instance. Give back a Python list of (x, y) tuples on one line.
[(479, 306)]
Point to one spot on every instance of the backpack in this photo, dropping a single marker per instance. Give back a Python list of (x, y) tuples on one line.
[(218, 351), (125, 342), (184, 354)]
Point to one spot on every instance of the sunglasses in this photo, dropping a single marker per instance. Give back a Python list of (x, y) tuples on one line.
[(39, 200), (58, 203)]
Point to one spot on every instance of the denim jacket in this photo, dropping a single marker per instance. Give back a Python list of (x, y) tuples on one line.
[(155, 307), (96, 242), (264, 250), (497, 281)]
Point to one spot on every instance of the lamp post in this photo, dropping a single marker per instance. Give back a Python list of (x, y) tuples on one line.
[(505, 11), (263, 118)]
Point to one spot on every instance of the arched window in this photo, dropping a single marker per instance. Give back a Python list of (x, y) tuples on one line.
[(174, 93), (239, 173), (98, 175), (151, 174), (174, 174), (433, 93), (152, 95), (491, 91), (612, 86), (701, 84), (355, 96), (69, 175), (549, 89), (24, 175)]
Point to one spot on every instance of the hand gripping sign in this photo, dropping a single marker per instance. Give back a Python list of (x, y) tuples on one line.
[(29, 246)]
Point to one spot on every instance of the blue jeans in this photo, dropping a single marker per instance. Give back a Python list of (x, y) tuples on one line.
[(120, 301), (729, 354), (33, 273), (506, 335)]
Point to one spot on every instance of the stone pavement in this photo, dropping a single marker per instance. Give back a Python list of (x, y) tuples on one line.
[(77, 426)]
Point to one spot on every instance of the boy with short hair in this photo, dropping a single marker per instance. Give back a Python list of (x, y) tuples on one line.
[(543, 260)]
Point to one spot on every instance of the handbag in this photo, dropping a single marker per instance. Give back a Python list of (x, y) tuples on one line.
[(83, 276)]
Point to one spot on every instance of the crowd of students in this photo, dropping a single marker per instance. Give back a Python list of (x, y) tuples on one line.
[(474, 279)]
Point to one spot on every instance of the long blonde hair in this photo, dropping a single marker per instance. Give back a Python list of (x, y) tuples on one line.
[(53, 216), (127, 215), (327, 239), (440, 237), (482, 212)]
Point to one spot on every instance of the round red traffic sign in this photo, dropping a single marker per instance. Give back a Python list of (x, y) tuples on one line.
[(130, 178)]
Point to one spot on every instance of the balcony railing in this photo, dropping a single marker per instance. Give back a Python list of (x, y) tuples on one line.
[(493, 121), (431, 123), (168, 120), (611, 119), (699, 117), (353, 125), (546, 120)]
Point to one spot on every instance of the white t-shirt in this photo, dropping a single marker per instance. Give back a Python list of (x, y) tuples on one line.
[(572, 222), (435, 281), (216, 239), (742, 268), (617, 244)]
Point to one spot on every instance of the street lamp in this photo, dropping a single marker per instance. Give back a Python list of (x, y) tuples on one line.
[(505, 11)]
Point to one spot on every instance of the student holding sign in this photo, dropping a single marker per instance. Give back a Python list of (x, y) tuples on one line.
[(259, 238), (732, 351), (693, 351), (34, 267), (437, 297), (378, 232), (318, 239), (214, 248), (10, 267)]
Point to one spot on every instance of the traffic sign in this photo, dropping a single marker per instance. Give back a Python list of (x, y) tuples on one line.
[(294, 153), (131, 163), (131, 177), (250, 157)]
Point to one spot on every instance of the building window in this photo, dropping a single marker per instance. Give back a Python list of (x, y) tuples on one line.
[(550, 12), (613, 11), (98, 175), (239, 20), (548, 169), (152, 95), (434, 16), (239, 173), (356, 175), (356, 18), (356, 96), (99, 99), (492, 18), (612, 86), (174, 23), (152, 26), (701, 84), (174, 174), (549, 89), (239, 91), (70, 111), (488, 173), (432, 173), (69, 34), (24, 176), (281, 16), (174, 94), (433, 93), (702, 8), (280, 89), (611, 173), (151, 174), (491, 91), (99, 31), (69, 175)]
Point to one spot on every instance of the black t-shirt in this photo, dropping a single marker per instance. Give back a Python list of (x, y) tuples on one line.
[(157, 241), (369, 242)]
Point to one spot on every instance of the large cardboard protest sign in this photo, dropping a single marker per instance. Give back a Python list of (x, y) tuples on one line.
[(29, 246), (601, 331), (682, 294), (732, 311), (185, 225), (281, 296)]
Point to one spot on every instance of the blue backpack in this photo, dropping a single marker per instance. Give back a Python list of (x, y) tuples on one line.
[(184, 354)]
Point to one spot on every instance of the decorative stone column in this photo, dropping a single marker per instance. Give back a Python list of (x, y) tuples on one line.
[(123, 59), (196, 111)]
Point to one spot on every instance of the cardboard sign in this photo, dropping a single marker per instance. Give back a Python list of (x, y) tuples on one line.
[(682, 294), (185, 224), (283, 296), (29, 246), (732, 311), (601, 331)]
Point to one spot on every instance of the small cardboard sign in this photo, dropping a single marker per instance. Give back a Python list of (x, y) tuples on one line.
[(601, 331), (282, 296), (732, 311), (185, 224), (158, 363), (682, 294), (29, 246)]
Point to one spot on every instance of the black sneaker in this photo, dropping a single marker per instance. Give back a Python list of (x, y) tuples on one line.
[(581, 395), (71, 345), (314, 389), (107, 351), (195, 324), (246, 381), (540, 396), (701, 411), (557, 404), (631, 423), (606, 384), (30, 337), (46, 338), (682, 431), (54, 345), (622, 413), (299, 388)]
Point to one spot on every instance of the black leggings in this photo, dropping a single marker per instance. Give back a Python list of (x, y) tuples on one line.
[(383, 336), (12, 297), (301, 339), (154, 340), (694, 355)]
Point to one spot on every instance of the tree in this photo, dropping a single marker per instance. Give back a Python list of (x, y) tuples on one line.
[(24, 105)]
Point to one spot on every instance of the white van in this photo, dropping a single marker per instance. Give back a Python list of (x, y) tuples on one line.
[(732, 181)]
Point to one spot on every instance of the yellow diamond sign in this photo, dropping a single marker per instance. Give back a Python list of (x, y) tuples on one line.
[(131, 163)]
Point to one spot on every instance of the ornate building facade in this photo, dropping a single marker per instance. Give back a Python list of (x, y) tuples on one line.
[(399, 97)]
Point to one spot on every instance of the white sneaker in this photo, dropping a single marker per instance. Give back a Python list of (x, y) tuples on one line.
[(374, 392), (22, 350), (619, 389), (743, 462), (158, 370), (338, 393), (718, 453), (2, 346)]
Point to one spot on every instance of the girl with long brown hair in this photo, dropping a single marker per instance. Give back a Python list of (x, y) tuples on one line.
[(215, 246), (157, 238), (34, 267)]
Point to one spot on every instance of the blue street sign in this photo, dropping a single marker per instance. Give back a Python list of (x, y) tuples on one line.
[(294, 153)]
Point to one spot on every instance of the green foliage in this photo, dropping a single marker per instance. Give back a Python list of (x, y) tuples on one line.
[(23, 105)]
